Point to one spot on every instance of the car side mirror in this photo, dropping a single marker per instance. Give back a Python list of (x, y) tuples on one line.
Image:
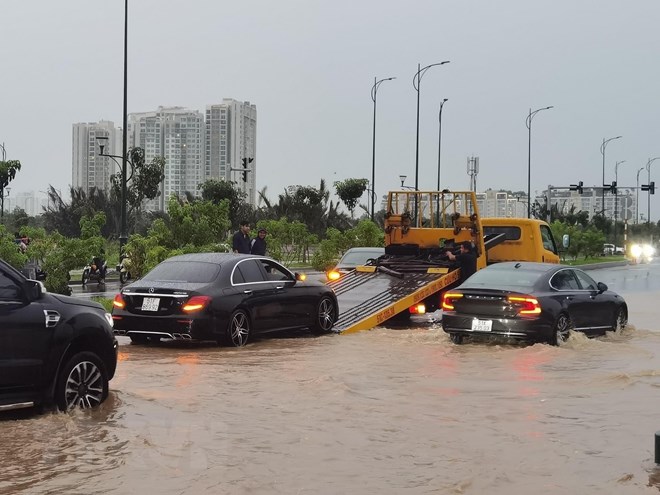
[(35, 289), (602, 287)]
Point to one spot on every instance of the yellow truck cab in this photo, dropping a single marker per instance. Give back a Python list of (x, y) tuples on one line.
[(518, 239)]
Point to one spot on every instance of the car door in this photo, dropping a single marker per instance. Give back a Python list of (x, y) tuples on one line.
[(259, 295), (297, 302), (24, 337), (599, 310), (572, 297)]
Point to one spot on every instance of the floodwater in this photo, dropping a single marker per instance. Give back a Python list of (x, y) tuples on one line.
[(389, 411)]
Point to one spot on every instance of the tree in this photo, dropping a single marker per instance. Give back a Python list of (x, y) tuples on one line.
[(365, 234), (8, 171), (350, 191), (217, 190)]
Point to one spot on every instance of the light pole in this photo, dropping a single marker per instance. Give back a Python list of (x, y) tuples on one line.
[(123, 236), (528, 123), (602, 152), (648, 172), (442, 104), (417, 79), (402, 178), (374, 93), (616, 196), (637, 198), (4, 152)]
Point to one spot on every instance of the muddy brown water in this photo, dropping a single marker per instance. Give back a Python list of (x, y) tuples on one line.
[(388, 411)]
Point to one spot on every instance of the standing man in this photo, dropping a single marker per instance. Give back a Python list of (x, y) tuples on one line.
[(241, 240), (258, 244), (466, 259)]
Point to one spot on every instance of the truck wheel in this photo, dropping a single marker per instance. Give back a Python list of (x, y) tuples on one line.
[(82, 382), (456, 338)]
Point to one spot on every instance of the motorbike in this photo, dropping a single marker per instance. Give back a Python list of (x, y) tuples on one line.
[(95, 271), (123, 268)]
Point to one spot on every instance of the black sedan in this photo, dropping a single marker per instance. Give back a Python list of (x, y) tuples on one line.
[(224, 297), (54, 349), (537, 302)]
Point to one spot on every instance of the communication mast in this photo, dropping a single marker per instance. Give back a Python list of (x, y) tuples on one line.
[(473, 170)]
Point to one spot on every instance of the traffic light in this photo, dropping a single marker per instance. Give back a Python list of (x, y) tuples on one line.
[(246, 161), (610, 187), (649, 187), (577, 187)]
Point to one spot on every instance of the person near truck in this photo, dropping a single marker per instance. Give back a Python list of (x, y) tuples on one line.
[(466, 260), (241, 239)]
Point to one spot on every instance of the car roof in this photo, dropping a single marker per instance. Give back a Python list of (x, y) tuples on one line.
[(211, 257), (527, 266)]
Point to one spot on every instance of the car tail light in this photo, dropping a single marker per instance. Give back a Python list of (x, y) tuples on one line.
[(333, 275), (418, 309), (119, 302), (526, 305), (448, 300), (196, 303)]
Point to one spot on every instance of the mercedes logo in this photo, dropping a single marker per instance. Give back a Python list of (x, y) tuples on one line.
[(151, 290)]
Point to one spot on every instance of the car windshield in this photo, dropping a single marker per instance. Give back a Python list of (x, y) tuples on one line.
[(184, 271), (511, 277), (359, 257)]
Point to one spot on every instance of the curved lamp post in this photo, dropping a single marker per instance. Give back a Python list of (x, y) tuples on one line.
[(123, 236), (637, 198), (528, 123), (374, 93), (648, 172), (602, 152), (417, 79), (616, 196), (442, 104)]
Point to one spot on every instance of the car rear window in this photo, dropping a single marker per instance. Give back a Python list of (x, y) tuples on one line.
[(184, 271), (359, 257), (495, 278)]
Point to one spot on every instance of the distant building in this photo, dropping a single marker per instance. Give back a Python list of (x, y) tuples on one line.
[(591, 201), (90, 170), (231, 135), (176, 134)]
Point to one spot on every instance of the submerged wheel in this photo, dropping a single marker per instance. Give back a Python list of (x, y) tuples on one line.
[(621, 320), (326, 314), (238, 330), (83, 382), (562, 329), (456, 338)]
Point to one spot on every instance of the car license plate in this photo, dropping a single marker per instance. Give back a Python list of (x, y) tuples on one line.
[(482, 325), (150, 303)]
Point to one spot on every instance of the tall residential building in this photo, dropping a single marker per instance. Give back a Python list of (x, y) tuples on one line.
[(177, 135), (90, 170), (231, 135)]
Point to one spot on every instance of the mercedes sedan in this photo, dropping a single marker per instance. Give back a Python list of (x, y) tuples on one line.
[(224, 297), (536, 302)]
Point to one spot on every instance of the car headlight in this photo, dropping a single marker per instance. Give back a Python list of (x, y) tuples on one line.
[(648, 250), (636, 250)]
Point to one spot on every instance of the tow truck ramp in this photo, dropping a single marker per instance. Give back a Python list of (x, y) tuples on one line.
[(370, 295)]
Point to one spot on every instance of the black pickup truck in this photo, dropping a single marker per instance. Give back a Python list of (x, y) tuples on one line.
[(54, 349)]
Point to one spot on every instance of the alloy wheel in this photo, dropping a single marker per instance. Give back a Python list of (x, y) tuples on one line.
[(84, 386), (239, 329)]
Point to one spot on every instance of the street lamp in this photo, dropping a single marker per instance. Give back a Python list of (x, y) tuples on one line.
[(442, 104), (602, 152), (616, 197), (637, 198), (417, 79), (528, 123), (123, 235), (374, 93), (648, 172), (402, 178)]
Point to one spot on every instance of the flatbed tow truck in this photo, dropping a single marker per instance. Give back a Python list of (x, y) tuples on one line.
[(414, 271)]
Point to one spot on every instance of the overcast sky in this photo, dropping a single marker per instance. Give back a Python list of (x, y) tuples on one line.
[(309, 67)]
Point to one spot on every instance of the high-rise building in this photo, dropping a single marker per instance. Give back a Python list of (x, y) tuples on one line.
[(177, 135), (90, 170), (231, 136)]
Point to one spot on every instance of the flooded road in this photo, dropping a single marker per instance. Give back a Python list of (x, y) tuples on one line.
[(388, 411)]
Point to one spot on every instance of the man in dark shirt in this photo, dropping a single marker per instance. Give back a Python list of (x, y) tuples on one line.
[(258, 244), (466, 259), (241, 240)]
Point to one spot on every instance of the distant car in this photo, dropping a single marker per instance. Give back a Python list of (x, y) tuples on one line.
[(54, 349), (224, 297), (642, 253), (608, 249), (537, 302), (354, 257)]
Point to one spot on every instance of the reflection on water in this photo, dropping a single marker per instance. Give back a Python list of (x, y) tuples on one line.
[(389, 411)]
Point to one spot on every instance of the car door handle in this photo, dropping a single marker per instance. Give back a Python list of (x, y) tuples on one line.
[(279, 287), (569, 298), (247, 292)]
